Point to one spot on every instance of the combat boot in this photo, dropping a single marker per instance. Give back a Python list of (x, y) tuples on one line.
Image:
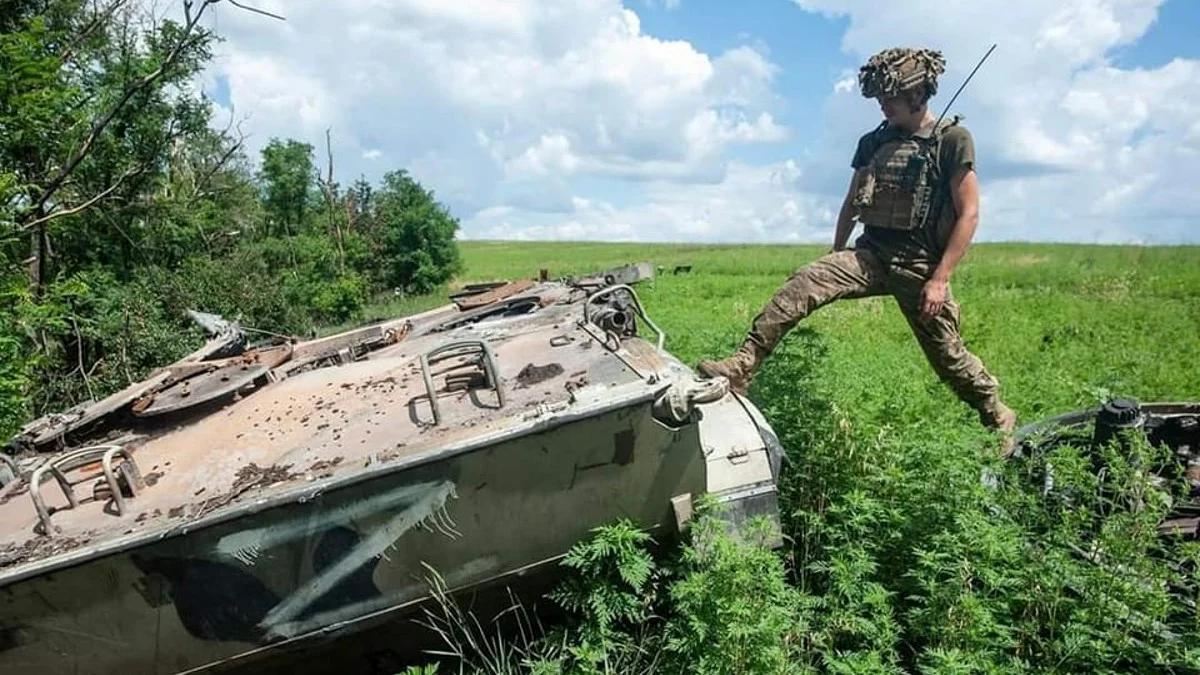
[(995, 415), (738, 368)]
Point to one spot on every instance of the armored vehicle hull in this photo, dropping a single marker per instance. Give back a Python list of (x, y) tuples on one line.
[(234, 506)]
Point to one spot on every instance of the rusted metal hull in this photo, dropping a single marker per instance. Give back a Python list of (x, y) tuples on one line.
[(350, 554), (236, 505)]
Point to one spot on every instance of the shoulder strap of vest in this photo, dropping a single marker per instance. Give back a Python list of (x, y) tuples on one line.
[(946, 124), (874, 138), (932, 145), (935, 137), (939, 183)]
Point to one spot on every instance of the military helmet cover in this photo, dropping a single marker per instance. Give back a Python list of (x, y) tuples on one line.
[(898, 69)]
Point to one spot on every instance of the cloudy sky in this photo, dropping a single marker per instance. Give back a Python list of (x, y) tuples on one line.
[(691, 120)]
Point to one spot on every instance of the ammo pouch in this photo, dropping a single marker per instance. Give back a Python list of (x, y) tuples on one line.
[(900, 185)]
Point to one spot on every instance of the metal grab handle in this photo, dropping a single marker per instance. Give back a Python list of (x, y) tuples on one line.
[(462, 348), (74, 459), (637, 305)]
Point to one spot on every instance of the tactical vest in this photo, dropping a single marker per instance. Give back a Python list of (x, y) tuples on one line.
[(901, 189)]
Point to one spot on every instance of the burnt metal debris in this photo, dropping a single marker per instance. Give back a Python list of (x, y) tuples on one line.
[(251, 498)]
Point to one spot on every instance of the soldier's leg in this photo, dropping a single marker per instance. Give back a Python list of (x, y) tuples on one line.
[(942, 343), (838, 275)]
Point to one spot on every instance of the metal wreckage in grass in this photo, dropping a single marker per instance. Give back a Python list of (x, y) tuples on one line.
[(250, 500), (1113, 427)]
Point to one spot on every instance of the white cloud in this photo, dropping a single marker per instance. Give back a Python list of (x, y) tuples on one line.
[(1070, 147), (751, 203), (479, 99), (550, 154)]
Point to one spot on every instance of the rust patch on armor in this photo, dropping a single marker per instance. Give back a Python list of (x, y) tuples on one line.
[(38, 547), (531, 374), (248, 477)]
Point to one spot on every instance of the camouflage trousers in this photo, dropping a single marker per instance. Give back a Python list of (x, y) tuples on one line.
[(860, 274)]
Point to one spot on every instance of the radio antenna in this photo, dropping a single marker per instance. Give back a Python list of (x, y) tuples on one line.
[(963, 85)]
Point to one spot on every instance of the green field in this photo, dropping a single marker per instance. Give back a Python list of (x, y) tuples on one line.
[(897, 557)]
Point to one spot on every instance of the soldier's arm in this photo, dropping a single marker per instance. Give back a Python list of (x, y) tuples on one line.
[(964, 190), (845, 221)]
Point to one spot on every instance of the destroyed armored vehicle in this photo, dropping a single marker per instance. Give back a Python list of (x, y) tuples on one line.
[(249, 499), (1173, 426)]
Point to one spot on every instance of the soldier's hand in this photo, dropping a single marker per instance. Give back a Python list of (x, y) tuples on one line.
[(933, 296)]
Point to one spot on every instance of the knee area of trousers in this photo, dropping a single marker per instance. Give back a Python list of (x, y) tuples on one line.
[(791, 306)]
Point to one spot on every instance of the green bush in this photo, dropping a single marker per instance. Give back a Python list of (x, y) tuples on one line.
[(312, 276), (413, 235), (715, 605), (16, 363), (731, 608), (611, 589)]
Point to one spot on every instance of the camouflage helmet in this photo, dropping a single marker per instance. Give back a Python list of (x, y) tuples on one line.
[(898, 69)]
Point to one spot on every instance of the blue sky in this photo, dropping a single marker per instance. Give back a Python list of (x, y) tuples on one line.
[(699, 120), (1172, 35)]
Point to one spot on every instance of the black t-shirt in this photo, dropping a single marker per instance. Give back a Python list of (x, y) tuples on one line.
[(921, 247)]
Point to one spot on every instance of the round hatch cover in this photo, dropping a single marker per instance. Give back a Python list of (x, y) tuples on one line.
[(202, 388)]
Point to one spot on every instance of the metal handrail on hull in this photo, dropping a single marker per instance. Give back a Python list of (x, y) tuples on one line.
[(57, 466)]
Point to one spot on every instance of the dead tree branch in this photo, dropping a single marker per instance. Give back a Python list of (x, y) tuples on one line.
[(129, 173), (327, 188), (207, 176), (256, 10)]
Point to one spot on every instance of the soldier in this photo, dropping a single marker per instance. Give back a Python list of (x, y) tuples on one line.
[(915, 191)]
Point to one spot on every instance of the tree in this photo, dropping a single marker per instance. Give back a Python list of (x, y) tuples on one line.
[(287, 177), (109, 172), (91, 95), (414, 235)]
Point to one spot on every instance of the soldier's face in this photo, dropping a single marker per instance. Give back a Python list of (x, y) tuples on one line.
[(899, 109), (892, 107)]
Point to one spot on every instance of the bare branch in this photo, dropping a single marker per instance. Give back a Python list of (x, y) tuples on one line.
[(87, 204), (87, 381), (256, 10), (329, 154), (327, 188), (221, 161), (99, 18)]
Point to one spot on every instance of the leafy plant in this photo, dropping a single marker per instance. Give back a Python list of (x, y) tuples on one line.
[(613, 584), (731, 607)]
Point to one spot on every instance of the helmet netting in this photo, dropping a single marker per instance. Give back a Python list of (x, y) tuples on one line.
[(899, 69)]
